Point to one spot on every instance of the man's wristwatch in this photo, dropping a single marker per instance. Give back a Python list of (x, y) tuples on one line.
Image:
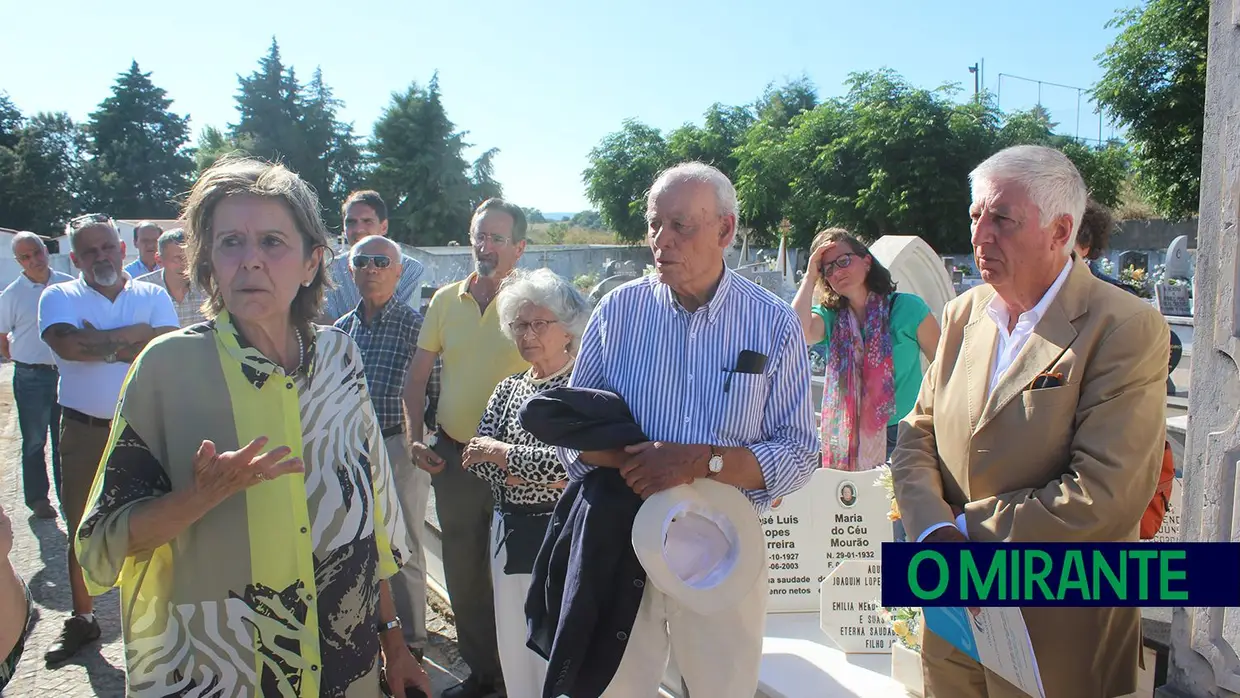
[(390, 625), (715, 465)]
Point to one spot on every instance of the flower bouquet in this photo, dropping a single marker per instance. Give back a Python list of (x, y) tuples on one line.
[(906, 651), (885, 481), (905, 622)]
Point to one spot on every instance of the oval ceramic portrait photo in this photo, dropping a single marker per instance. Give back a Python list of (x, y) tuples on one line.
[(847, 494)]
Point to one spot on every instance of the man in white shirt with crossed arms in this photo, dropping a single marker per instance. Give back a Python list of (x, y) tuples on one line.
[(96, 326)]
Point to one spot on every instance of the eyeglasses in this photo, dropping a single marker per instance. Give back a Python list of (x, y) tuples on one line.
[(840, 262), (539, 326), (497, 240), (361, 261)]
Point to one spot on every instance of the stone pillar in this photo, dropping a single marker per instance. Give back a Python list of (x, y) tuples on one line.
[(1206, 641)]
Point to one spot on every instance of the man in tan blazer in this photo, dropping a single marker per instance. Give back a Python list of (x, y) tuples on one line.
[(986, 455)]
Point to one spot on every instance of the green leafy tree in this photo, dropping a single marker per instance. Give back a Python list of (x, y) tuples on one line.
[(420, 170), (778, 106), (282, 120), (533, 215), (887, 158), (620, 173), (214, 144), (270, 110), (1104, 168), (338, 170), (590, 220), (139, 165), (715, 142), (40, 169), (556, 232), (11, 122), (1154, 82), (482, 180)]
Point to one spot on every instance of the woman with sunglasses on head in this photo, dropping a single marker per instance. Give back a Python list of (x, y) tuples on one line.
[(873, 338)]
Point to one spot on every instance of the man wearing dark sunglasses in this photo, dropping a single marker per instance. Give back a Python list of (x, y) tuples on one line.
[(386, 331), (365, 215)]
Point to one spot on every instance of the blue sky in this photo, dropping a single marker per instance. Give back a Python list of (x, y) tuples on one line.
[(545, 81)]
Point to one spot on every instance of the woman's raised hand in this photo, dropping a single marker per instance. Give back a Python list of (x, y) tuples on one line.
[(813, 269), (218, 476)]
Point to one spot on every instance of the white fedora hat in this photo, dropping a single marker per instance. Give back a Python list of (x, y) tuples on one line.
[(700, 544)]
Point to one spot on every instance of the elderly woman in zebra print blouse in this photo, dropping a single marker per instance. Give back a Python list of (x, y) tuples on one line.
[(245, 503), (545, 316)]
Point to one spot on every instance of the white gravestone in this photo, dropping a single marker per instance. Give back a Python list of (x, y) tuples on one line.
[(1169, 532), (851, 612), (1174, 300), (837, 516), (916, 268), (1177, 265)]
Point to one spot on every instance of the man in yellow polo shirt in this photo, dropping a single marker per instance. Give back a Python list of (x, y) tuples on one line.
[(462, 327)]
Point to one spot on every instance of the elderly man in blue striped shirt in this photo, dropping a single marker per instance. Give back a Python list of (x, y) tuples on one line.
[(684, 348)]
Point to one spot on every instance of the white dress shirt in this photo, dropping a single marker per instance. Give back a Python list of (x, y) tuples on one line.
[(93, 387), (1007, 349), (19, 316)]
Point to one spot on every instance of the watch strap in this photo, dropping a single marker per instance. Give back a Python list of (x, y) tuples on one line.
[(390, 625)]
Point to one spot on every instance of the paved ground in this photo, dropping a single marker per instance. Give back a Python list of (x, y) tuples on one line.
[(39, 557)]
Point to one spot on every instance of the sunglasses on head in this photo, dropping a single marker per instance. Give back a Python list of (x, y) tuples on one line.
[(381, 261), (79, 222)]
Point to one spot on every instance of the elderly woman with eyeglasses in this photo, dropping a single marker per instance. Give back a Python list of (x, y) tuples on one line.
[(545, 316), (874, 339), (245, 504)]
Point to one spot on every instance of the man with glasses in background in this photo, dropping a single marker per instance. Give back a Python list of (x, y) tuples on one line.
[(386, 331), (34, 369), (96, 325), (462, 328)]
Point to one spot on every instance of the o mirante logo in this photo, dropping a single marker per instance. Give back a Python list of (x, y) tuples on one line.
[(1061, 574)]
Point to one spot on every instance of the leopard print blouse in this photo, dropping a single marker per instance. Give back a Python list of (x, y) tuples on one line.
[(533, 461)]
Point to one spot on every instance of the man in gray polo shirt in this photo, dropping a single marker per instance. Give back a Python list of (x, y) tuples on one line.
[(34, 369), (95, 325)]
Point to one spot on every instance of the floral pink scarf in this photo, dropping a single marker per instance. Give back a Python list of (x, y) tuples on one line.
[(859, 392)]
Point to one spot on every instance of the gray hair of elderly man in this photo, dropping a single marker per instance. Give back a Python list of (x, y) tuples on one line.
[(546, 289), (174, 236), (26, 236), (725, 193), (393, 248), (1047, 175)]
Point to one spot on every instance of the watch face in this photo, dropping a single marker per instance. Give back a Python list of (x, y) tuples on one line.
[(715, 464)]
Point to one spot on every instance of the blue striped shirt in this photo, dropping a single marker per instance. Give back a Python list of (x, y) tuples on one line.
[(670, 367)]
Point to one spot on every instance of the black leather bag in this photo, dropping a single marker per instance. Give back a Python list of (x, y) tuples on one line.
[(525, 527)]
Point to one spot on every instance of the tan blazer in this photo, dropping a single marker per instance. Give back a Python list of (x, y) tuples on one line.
[(1078, 462)]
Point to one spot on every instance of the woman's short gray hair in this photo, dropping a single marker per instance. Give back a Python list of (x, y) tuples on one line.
[(546, 289), (235, 176), (725, 193), (1049, 177)]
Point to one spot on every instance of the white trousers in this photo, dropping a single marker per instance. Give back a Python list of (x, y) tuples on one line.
[(413, 486), (524, 671), (718, 655)]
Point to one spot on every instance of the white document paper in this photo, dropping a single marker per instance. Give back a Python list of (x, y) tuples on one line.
[(994, 637)]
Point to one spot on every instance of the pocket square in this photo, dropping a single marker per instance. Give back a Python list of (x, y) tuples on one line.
[(1047, 379)]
